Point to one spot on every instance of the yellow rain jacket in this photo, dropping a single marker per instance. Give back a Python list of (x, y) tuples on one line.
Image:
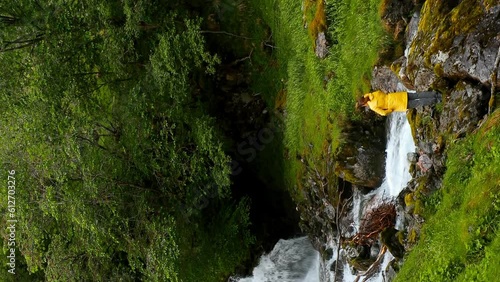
[(384, 104)]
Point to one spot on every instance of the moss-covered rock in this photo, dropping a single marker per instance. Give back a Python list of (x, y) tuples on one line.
[(410, 202), (455, 40), (361, 158), (384, 79), (412, 236), (466, 105), (388, 238)]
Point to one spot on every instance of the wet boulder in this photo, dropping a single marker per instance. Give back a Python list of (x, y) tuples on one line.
[(389, 237), (359, 257), (466, 106), (361, 159), (392, 269), (422, 78), (375, 250), (338, 268)]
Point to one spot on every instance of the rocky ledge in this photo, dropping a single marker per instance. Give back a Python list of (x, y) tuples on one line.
[(454, 50), (452, 47)]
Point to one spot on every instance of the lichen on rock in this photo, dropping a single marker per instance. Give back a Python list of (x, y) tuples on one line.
[(455, 42)]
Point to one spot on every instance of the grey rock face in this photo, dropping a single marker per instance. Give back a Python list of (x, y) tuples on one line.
[(361, 164), (321, 46), (464, 109), (455, 57), (473, 55), (384, 79)]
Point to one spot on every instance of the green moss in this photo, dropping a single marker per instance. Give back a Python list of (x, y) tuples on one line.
[(419, 207), (422, 186), (413, 168), (438, 70), (412, 236), (439, 107), (396, 67), (409, 199), (427, 120), (411, 115), (400, 236), (418, 120)]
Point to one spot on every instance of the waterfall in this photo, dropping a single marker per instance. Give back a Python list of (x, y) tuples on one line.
[(295, 260), (399, 144)]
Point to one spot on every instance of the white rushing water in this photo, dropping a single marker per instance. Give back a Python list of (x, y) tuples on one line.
[(295, 260)]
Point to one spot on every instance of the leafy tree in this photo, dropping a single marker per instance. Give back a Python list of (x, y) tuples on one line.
[(112, 147)]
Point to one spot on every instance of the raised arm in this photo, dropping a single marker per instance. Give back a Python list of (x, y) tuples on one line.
[(382, 112)]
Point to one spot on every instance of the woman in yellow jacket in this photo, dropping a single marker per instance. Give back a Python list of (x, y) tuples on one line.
[(384, 104)]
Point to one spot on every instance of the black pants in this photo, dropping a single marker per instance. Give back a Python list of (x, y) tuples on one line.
[(424, 98)]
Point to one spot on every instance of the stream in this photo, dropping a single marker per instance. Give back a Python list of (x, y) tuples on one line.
[(295, 260)]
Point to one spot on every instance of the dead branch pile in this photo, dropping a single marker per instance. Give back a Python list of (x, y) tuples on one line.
[(374, 222)]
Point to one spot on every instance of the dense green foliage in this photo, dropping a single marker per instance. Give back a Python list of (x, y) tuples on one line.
[(113, 152), (461, 239)]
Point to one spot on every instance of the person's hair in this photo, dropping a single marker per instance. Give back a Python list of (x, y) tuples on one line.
[(362, 102)]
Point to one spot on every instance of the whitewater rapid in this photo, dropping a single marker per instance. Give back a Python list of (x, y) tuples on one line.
[(295, 260)]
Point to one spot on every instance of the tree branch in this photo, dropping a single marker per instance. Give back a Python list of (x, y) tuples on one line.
[(225, 33)]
